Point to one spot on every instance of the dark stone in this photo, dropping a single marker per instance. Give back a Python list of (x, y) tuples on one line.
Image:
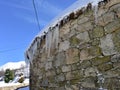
[(112, 84), (72, 16), (89, 7), (100, 60), (105, 67), (84, 64)]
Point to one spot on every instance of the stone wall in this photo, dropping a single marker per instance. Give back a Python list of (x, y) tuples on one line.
[(88, 46)]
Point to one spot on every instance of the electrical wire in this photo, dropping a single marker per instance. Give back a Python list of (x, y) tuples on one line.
[(36, 14), (8, 50)]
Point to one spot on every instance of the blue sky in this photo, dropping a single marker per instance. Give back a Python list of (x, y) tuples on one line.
[(18, 24)]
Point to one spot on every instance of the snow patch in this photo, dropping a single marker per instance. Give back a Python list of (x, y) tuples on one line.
[(13, 65), (3, 84), (73, 8)]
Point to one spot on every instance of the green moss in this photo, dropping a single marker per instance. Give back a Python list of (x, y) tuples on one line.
[(74, 40), (77, 74), (105, 67), (100, 60), (51, 79), (95, 42), (94, 51), (85, 64), (74, 81), (62, 83), (89, 13), (97, 32)]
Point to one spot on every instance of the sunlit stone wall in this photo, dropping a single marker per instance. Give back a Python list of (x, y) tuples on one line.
[(79, 51)]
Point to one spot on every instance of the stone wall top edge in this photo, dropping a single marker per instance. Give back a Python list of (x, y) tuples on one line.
[(72, 16)]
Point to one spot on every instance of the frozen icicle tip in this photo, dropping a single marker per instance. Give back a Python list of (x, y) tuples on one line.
[(95, 2)]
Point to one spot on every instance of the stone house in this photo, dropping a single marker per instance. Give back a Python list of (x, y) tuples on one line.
[(81, 51)]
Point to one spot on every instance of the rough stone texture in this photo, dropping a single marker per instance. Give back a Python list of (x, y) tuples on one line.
[(89, 53), (90, 72), (60, 77), (89, 82), (116, 38), (85, 27), (59, 59), (64, 46), (105, 67), (118, 12), (83, 37), (83, 20), (107, 45), (74, 75), (73, 27), (116, 8), (100, 60), (66, 68), (97, 32), (74, 40), (74, 66), (50, 73), (48, 65), (100, 21), (108, 17), (113, 26), (72, 56), (87, 45), (115, 58), (112, 83), (64, 31), (84, 64)]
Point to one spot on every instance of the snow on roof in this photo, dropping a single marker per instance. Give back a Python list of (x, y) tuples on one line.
[(72, 9)]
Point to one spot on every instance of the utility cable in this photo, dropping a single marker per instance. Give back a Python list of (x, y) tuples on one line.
[(36, 14), (8, 50)]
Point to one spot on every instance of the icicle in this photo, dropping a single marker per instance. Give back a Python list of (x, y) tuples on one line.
[(34, 47), (96, 13), (30, 56), (56, 36), (95, 4), (65, 19), (48, 41), (27, 58), (32, 50), (52, 39), (39, 42)]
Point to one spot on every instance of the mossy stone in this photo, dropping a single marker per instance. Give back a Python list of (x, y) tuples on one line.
[(105, 67), (100, 60), (74, 40)]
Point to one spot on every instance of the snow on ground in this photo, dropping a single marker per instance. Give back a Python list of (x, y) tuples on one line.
[(3, 84), (26, 81)]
